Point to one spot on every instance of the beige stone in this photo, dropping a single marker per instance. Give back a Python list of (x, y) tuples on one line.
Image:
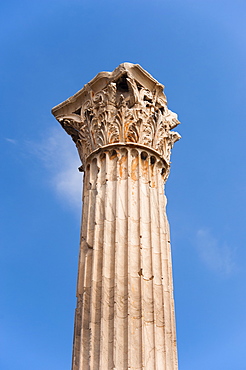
[(124, 318)]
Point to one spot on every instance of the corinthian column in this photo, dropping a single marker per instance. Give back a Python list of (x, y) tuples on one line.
[(124, 318)]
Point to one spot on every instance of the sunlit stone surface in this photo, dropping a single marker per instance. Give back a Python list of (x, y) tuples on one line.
[(121, 126)]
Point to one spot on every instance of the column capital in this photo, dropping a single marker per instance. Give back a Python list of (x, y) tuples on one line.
[(124, 106)]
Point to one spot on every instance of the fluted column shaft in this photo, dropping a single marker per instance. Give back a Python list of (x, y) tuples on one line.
[(125, 309)]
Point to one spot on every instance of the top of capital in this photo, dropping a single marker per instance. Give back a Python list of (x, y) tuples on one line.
[(102, 79)]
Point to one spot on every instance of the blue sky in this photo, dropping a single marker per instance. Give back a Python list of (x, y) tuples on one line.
[(49, 50)]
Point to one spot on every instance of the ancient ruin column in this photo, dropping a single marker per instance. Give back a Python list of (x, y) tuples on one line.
[(124, 318)]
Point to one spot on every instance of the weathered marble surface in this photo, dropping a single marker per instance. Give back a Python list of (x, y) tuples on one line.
[(125, 310)]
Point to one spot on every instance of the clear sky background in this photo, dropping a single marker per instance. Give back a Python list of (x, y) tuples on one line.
[(49, 50)]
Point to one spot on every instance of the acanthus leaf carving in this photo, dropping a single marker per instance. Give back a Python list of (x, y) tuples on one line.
[(148, 131), (124, 111)]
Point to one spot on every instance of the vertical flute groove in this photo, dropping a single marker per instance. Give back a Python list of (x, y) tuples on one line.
[(121, 264), (135, 293), (157, 268), (163, 240), (172, 310), (108, 278), (147, 275), (80, 280), (96, 289), (88, 243), (167, 284)]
